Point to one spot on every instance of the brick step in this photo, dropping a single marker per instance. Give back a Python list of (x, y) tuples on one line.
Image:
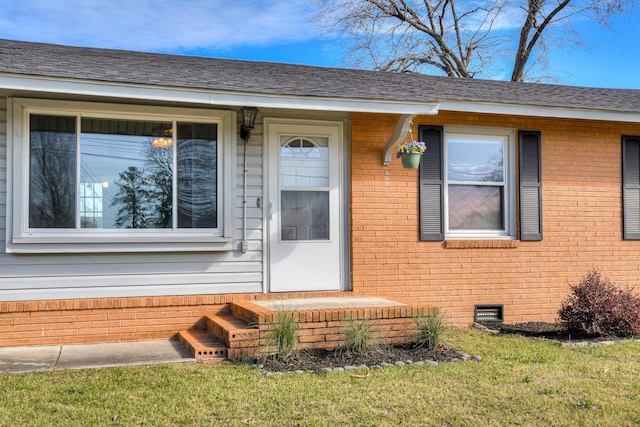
[(232, 331), (239, 336), (203, 345)]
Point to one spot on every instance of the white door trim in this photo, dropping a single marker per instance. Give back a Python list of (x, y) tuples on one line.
[(271, 180)]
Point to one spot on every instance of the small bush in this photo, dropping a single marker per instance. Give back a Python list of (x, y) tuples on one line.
[(429, 327), (358, 337), (597, 307), (283, 336)]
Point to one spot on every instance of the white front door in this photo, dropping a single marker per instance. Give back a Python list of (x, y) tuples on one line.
[(304, 226)]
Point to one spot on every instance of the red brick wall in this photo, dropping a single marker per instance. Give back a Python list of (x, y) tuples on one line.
[(112, 319), (582, 211)]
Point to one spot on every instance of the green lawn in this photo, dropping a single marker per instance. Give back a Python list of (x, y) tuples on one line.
[(520, 382)]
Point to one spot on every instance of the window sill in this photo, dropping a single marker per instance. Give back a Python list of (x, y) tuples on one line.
[(114, 245), (481, 244)]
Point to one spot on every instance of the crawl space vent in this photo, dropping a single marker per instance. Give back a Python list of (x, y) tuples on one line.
[(488, 313)]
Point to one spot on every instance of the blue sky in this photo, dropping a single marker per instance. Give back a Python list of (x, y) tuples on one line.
[(271, 30)]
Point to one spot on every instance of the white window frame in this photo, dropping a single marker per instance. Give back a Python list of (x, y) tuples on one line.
[(20, 238), (508, 136)]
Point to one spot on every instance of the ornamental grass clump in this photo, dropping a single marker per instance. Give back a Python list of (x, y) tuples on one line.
[(283, 335), (597, 306), (358, 337), (430, 327)]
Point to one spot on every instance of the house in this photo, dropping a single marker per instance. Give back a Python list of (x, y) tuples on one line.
[(135, 197)]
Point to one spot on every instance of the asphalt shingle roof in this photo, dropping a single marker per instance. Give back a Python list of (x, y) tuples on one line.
[(190, 72)]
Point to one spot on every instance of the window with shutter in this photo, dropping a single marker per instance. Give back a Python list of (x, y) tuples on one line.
[(467, 184)]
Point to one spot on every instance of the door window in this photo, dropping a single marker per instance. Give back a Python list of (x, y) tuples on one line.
[(304, 188)]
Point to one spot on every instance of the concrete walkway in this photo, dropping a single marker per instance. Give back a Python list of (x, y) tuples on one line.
[(77, 356)]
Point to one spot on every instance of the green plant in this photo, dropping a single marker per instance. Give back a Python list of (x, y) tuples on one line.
[(429, 328), (358, 337), (582, 403), (283, 335), (597, 307)]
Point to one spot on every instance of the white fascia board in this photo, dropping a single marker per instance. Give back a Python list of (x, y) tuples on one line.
[(210, 97), (538, 111)]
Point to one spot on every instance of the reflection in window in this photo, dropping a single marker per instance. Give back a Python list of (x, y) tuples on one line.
[(52, 171), (127, 180), (197, 175), (475, 208), (91, 205), (304, 162), (305, 215), (475, 160), (476, 183), (121, 153)]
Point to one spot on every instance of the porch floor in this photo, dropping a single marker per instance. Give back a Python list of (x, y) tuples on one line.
[(295, 304)]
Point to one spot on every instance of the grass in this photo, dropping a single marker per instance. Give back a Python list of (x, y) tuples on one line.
[(520, 382)]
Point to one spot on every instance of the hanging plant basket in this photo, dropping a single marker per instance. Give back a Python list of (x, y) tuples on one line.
[(410, 153), (411, 160)]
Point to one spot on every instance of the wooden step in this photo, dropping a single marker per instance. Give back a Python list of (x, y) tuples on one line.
[(203, 345)]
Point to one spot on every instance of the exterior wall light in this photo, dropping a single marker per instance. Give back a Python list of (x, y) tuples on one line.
[(249, 115)]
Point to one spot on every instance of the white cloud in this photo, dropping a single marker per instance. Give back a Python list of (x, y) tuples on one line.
[(156, 25)]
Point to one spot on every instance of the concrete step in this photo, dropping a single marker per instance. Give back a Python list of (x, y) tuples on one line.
[(203, 345)]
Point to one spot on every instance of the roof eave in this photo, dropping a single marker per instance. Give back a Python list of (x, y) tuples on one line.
[(66, 86), (539, 111), (210, 97)]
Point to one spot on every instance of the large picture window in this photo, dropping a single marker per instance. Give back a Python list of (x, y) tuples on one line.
[(100, 175), (128, 170)]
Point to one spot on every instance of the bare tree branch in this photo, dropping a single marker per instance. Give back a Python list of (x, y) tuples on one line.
[(461, 38)]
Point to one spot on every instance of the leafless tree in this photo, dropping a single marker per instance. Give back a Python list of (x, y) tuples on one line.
[(462, 38)]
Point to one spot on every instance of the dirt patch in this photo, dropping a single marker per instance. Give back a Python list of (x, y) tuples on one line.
[(316, 360)]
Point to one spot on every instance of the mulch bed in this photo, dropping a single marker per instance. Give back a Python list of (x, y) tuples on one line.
[(315, 360), (553, 331)]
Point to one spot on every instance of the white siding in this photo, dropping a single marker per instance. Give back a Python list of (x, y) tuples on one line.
[(3, 173), (57, 276)]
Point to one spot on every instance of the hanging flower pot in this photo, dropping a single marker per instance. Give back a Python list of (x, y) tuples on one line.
[(410, 153), (411, 160)]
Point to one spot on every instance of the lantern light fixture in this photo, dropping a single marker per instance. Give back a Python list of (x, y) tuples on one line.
[(249, 115)]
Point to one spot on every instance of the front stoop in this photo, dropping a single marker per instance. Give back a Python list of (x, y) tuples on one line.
[(240, 327)]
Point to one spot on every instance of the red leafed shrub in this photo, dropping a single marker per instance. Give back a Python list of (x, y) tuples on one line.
[(597, 306)]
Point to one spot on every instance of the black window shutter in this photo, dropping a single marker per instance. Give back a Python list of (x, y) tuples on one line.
[(431, 185), (530, 185), (631, 187)]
